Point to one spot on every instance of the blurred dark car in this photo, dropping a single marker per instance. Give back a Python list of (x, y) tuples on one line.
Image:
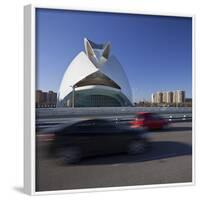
[(148, 120), (91, 138)]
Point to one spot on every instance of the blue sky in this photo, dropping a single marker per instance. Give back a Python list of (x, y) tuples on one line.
[(155, 51)]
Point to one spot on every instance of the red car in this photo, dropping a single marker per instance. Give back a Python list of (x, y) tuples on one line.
[(149, 121)]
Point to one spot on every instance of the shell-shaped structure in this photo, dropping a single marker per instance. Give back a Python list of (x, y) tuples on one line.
[(94, 79)]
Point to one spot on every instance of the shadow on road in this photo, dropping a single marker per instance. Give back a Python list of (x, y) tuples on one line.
[(157, 151), (172, 129)]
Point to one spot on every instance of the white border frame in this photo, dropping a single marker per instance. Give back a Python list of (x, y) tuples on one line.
[(29, 100)]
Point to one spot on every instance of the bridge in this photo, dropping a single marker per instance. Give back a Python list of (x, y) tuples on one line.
[(47, 117)]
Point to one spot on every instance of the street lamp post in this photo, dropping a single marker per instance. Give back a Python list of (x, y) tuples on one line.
[(73, 95)]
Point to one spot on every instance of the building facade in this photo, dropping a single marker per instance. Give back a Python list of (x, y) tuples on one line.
[(179, 96), (94, 79), (168, 97), (46, 99)]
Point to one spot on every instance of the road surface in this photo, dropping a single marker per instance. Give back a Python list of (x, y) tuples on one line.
[(169, 161)]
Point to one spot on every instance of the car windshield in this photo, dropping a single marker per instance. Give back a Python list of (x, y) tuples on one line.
[(92, 126), (140, 116), (155, 116), (148, 116)]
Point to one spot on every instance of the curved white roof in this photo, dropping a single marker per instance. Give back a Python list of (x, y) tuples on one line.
[(82, 66), (79, 68), (113, 69)]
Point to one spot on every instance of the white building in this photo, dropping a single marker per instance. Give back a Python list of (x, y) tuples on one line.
[(179, 96), (153, 98), (169, 97), (94, 79)]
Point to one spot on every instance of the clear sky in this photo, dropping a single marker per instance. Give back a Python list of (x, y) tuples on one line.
[(155, 51)]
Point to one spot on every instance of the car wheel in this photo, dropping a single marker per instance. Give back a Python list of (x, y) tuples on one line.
[(137, 147), (70, 155)]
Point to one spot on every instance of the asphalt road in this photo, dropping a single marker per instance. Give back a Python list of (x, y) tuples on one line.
[(168, 161)]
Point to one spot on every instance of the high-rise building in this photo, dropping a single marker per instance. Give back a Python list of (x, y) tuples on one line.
[(180, 96), (52, 97), (153, 98), (175, 97), (45, 99), (164, 97), (159, 97), (38, 97), (168, 97)]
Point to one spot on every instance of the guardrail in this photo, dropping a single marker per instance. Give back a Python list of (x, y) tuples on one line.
[(106, 111), (172, 119)]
